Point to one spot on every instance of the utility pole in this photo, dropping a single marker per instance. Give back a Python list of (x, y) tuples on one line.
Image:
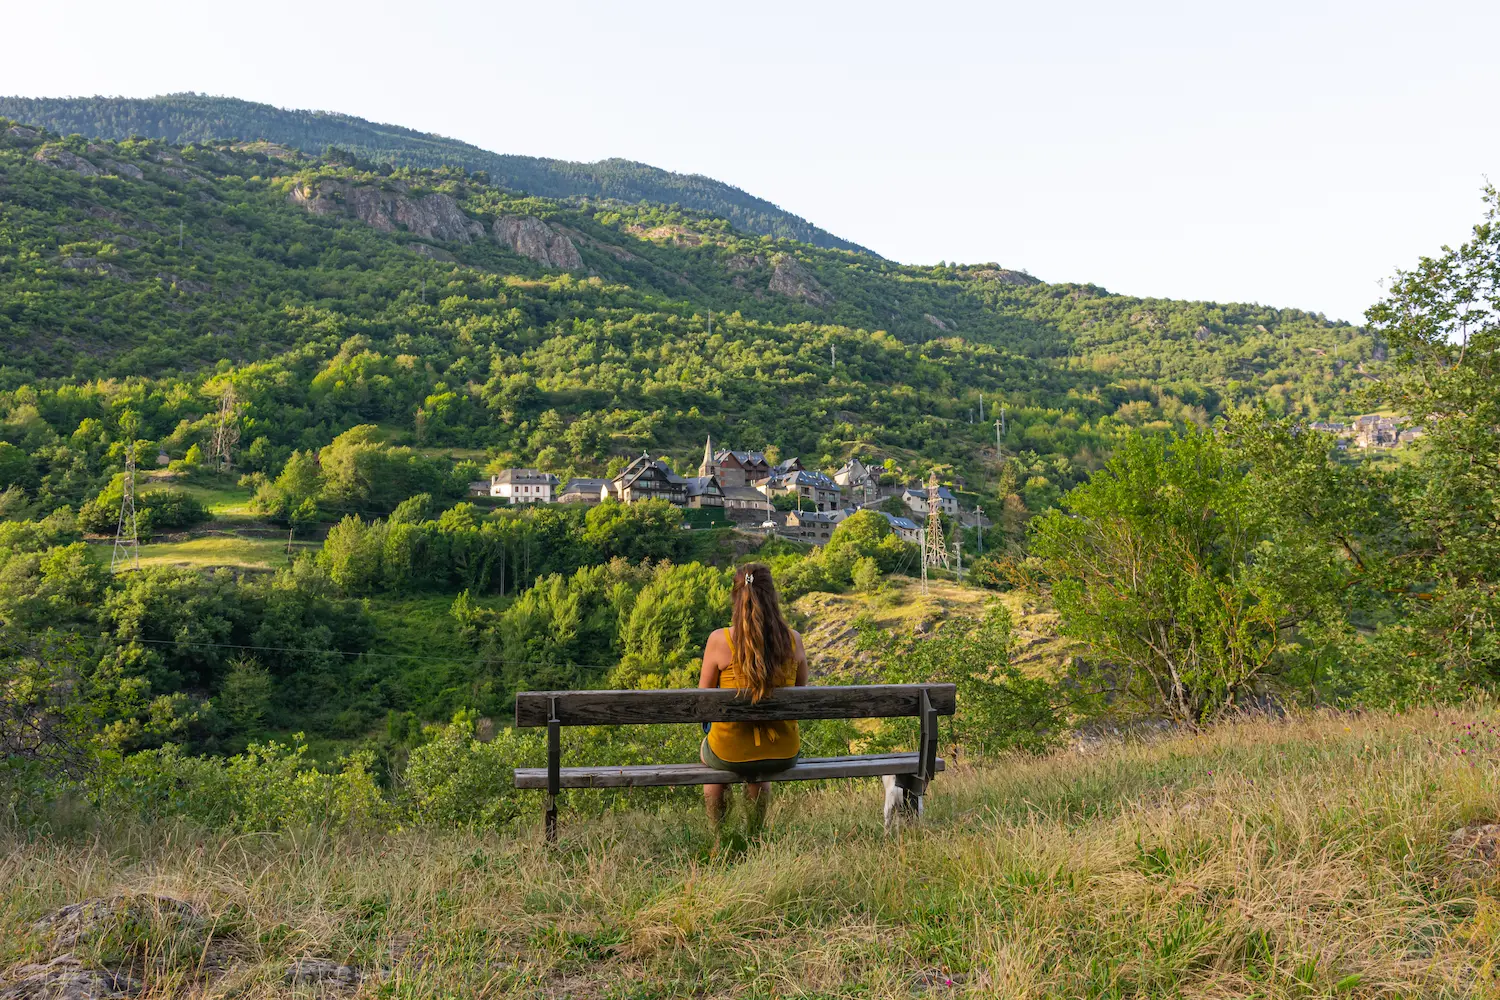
[(981, 407), (179, 234), (922, 536), (998, 426), (979, 528), (127, 554)]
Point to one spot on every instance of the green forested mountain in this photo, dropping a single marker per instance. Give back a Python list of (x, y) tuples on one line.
[(332, 295), (197, 118)]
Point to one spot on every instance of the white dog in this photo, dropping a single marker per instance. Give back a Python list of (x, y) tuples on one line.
[(896, 808)]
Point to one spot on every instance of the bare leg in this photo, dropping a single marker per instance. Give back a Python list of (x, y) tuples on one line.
[(758, 796), (713, 802)]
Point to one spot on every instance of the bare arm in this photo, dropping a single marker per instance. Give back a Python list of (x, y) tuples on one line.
[(801, 660), (715, 655)]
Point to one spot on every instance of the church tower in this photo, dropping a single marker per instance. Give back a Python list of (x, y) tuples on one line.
[(706, 467)]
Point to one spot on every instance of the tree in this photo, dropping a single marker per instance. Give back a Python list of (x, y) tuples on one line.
[(1153, 563), (245, 696), (16, 468), (1442, 323), (633, 531), (44, 730)]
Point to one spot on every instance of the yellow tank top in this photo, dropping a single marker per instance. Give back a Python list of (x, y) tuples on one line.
[(742, 741)]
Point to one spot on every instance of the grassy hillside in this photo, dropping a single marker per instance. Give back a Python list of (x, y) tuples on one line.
[(1305, 858), (199, 118)]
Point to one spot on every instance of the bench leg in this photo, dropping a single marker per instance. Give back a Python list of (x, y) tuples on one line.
[(903, 799), (554, 773)]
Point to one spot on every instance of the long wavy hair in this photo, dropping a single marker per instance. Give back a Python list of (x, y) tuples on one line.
[(762, 640)]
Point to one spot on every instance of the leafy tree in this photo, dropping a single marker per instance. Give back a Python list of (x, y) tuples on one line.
[(634, 531), (1155, 563), (1442, 322)]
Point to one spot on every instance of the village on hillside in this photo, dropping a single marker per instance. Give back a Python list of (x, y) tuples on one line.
[(745, 489)]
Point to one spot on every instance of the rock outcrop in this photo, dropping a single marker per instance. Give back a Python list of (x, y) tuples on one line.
[(929, 317), (790, 278), (1005, 276), (96, 265), (63, 159), (531, 237), (125, 169), (433, 216), (78, 922), (65, 978), (320, 970), (431, 252)]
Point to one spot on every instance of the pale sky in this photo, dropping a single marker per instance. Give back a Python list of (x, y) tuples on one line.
[(1288, 153)]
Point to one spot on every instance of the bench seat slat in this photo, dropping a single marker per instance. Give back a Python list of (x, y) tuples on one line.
[(649, 775), (618, 708)]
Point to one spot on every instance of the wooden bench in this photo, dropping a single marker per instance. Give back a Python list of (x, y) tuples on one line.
[(555, 709)]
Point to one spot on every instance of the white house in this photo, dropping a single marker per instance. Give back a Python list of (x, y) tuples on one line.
[(524, 486), (916, 500)]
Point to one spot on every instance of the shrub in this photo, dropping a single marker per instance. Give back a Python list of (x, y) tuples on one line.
[(268, 787)]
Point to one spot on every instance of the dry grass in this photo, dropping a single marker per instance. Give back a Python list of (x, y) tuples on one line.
[(1297, 859), (828, 621), (209, 551)]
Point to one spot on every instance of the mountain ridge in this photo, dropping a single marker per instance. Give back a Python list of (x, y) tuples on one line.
[(189, 117)]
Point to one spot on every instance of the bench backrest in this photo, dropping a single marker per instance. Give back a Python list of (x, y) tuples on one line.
[(619, 708)]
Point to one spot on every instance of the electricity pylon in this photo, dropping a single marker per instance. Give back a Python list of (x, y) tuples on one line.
[(936, 553), (127, 554)]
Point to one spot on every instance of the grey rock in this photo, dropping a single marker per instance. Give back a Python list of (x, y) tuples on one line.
[(65, 978), (125, 169), (321, 970), (533, 238), (97, 265), (432, 252), (21, 132), (433, 216), (80, 921), (790, 278), (56, 156)]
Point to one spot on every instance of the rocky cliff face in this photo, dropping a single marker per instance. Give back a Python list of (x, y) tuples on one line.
[(435, 217), (791, 279), (531, 237), (56, 156)]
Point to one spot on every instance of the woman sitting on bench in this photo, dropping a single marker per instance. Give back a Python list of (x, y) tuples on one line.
[(755, 655)]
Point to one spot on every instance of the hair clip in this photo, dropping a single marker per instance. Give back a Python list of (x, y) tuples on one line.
[(749, 579)]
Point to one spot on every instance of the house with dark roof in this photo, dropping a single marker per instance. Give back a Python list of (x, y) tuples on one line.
[(733, 468), (523, 485), (746, 503), (702, 491), (812, 525), (816, 490), (915, 499), (583, 489), (646, 478)]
